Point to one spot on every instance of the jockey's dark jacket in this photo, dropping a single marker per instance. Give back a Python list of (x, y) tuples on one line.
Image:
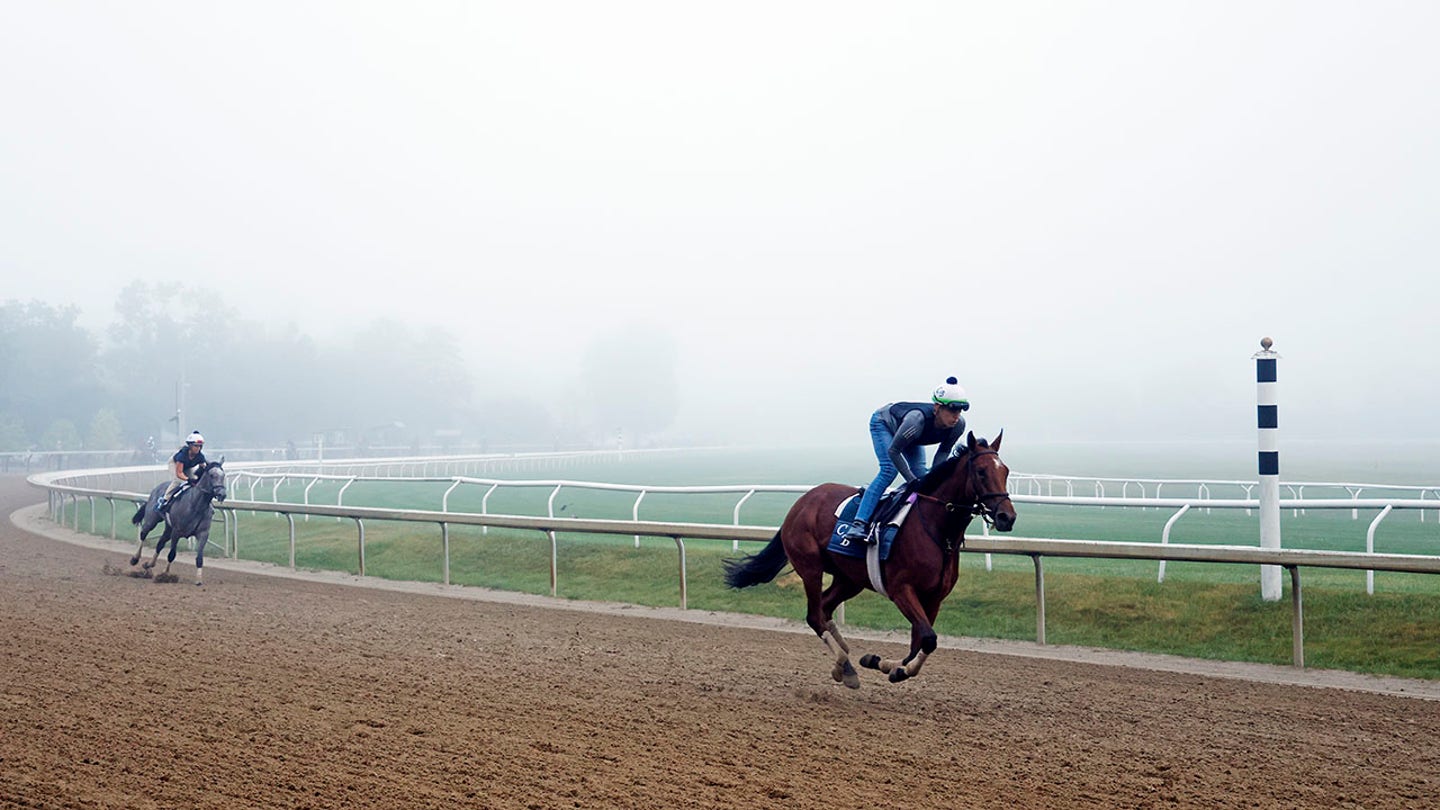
[(913, 424), (190, 462)]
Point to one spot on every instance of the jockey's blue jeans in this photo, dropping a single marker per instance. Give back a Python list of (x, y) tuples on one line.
[(882, 437)]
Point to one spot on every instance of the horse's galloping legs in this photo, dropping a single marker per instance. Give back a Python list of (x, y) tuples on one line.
[(922, 639), (840, 590), (159, 545), (818, 617), (200, 543), (144, 530)]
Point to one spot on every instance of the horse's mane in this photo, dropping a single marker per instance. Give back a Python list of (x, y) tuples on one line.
[(944, 470)]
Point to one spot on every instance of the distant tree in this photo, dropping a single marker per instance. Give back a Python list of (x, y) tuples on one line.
[(631, 380), (507, 424), (47, 364), (169, 342), (274, 385), (389, 373), (105, 433), (12, 433), (61, 435)]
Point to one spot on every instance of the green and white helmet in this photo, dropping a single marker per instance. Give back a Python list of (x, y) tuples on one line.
[(951, 395)]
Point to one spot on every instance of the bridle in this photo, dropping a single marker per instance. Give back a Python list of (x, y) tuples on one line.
[(978, 505), (205, 490), (205, 486)]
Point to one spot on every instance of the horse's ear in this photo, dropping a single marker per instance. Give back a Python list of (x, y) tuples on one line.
[(995, 445), (970, 440), (221, 462)]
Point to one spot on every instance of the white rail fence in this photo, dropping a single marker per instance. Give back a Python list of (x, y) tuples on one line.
[(66, 486), (747, 491)]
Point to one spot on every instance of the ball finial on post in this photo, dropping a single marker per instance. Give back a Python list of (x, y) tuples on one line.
[(1266, 343)]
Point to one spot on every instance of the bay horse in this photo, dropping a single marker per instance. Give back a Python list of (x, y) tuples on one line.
[(924, 561), (189, 515)]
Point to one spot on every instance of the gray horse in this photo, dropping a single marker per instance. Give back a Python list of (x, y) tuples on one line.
[(189, 515)]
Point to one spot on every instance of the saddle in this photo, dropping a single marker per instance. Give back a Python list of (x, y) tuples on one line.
[(163, 504), (892, 502), (890, 513)]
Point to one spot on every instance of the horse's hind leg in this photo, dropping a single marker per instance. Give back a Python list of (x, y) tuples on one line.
[(160, 544), (145, 528), (819, 609), (841, 590)]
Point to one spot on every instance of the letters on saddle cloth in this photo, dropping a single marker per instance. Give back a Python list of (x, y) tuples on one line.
[(896, 505)]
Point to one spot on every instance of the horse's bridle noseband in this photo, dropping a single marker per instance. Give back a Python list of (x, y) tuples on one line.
[(978, 506)]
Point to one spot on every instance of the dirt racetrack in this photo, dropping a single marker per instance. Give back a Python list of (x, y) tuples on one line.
[(259, 691)]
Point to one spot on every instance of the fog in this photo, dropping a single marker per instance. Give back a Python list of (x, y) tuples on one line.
[(791, 213)]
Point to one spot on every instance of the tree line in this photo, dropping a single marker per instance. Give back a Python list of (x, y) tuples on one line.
[(175, 348), (64, 387)]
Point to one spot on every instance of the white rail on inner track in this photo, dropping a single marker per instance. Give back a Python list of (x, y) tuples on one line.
[(1035, 548)]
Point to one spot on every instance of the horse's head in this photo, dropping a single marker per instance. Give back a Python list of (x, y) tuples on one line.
[(975, 478), (988, 481), (212, 481)]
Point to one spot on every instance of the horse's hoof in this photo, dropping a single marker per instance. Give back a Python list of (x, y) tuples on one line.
[(147, 566), (852, 678), (871, 661), (898, 674), (135, 560), (837, 673)]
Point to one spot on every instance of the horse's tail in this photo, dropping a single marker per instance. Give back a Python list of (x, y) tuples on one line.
[(139, 513), (753, 569)]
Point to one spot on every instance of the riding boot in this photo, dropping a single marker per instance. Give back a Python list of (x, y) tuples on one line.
[(859, 532)]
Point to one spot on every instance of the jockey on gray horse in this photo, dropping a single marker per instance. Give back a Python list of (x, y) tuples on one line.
[(187, 463), (188, 513)]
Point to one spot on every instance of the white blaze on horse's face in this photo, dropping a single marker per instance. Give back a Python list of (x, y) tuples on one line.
[(1001, 471), (1001, 508)]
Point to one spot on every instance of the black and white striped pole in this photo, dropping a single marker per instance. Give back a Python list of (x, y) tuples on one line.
[(1267, 421)]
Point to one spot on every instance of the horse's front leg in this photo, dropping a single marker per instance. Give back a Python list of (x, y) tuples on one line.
[(160, 544), (922, 639), (202, 538)]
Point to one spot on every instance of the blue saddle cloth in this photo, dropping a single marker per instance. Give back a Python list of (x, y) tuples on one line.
[(847, 548)]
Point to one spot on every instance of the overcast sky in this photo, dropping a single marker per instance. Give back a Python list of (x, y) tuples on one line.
[(1089, 213)]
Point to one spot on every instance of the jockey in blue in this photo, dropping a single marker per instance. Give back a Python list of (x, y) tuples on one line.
[(900, 431), (187, 463)]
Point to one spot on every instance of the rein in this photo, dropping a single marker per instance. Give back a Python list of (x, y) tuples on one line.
[(977, 505), (205, 496)]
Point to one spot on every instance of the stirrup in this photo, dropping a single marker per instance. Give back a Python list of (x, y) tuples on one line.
[(859, 531)]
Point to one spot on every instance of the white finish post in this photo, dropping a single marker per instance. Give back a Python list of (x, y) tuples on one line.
[(1268, 425)]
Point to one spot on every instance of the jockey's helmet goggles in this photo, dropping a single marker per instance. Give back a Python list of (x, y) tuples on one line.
[(958, 405)]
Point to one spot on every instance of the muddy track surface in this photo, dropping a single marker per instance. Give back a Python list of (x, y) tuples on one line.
[(258, 691)]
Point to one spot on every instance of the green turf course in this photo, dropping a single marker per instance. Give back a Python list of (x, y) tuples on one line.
[(1202, 609)]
